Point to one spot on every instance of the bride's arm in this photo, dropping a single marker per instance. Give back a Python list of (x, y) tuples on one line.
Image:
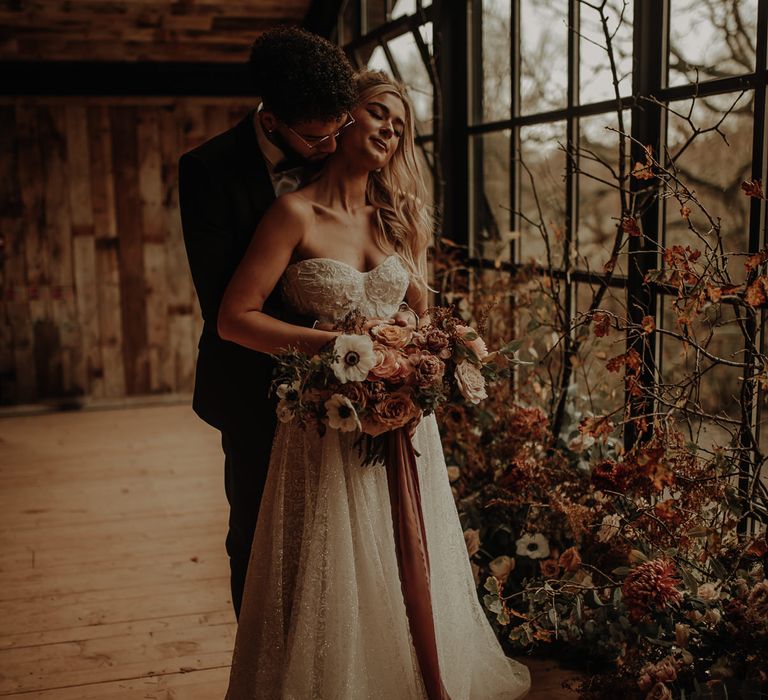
[(241, 319)]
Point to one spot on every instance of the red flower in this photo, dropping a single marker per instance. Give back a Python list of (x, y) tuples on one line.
[(753, 188), (651, 586), (601, 323)]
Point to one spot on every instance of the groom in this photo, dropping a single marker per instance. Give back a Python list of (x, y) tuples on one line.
[(225, 187)]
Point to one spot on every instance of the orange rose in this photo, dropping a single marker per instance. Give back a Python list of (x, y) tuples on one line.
[(356, 393), (396, 410)]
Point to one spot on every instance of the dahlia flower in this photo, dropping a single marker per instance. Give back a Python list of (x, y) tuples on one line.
[(651, 586)]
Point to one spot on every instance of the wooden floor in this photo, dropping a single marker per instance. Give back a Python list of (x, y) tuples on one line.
[(113, 575)]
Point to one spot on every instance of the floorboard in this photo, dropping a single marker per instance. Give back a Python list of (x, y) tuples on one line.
[(113, 575)]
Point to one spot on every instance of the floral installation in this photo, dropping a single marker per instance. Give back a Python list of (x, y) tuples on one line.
[(377, 380)]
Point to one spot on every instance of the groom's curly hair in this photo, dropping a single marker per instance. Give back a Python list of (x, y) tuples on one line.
[(301, 76)]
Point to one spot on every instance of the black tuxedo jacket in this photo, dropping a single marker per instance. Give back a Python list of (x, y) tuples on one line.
[(224, 190)]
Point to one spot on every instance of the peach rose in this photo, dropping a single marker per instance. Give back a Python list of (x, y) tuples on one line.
[(570, 559), (391, 335), (477, 345), (471, 382), (391, 364)]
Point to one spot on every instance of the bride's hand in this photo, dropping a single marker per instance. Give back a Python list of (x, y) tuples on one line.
[(406, 316)]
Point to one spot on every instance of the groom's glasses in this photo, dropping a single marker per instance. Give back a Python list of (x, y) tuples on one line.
[(312, 142)]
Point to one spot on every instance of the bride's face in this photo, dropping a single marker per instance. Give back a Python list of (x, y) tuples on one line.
[(376, 134)]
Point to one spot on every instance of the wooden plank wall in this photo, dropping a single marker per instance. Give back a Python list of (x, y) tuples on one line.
[(96, 300), (138, 30)]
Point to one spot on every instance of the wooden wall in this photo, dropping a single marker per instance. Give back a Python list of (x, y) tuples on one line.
[(96, 299), (143, 30)]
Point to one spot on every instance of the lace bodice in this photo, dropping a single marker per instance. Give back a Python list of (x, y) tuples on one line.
[(328, 289)]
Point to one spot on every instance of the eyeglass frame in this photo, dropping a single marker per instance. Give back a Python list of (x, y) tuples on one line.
[(322, 139)]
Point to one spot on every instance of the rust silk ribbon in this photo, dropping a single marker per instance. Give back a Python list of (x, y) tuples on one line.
[(412, 557)]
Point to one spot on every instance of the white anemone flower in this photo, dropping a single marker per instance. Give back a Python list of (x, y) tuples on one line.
[(285, 412), (533, 546), (289, 392), (341, 414), (354, 357)]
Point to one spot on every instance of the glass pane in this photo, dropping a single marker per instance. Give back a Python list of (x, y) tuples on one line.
[(542, 178), (490, 64), (405, 53), (490, 195), (543, 56), (596, 80), (426, 35), (540, 315), (595, 390), (599, 201), (715, 171), (718, 390), (716, 38), (403, 7), (378, 61)]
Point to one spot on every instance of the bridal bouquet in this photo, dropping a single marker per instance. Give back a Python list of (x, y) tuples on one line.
[(386, 377)]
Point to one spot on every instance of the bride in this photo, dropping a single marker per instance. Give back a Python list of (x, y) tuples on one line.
[(323, 613)]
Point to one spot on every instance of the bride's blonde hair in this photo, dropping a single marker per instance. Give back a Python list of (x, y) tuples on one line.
[(397, 190)]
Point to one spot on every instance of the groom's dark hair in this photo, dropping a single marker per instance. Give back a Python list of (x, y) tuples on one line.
[(301, 76)]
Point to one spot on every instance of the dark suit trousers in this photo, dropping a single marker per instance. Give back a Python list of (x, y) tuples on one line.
[(246, 461)]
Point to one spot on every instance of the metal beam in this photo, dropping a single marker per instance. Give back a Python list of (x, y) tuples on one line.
[(450, 35)]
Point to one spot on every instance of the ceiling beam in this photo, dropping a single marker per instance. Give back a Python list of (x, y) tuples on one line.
[(113, 78)]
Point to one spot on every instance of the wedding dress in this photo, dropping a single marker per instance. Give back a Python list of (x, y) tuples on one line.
[(323, 614)]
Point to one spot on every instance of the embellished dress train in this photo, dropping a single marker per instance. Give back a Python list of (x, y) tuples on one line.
[(323, 614)]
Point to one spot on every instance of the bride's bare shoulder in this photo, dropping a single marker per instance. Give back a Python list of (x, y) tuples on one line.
[(294, 207)]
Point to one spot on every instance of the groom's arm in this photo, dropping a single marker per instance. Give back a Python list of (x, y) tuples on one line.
[(208, 236)]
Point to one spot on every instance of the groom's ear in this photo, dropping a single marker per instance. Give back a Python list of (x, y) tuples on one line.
[(268, 120)]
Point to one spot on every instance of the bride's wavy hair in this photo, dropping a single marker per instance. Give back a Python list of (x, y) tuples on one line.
[(397, 190)]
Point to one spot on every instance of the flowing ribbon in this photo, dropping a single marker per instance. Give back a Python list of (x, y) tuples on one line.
[(412, 557)]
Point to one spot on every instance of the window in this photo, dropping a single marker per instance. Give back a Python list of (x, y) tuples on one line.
[(544, 111), (395, 36)]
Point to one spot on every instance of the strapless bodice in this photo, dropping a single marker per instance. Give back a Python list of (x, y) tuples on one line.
[(327, 289)]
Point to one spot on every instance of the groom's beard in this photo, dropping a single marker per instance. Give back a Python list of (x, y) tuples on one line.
[(291, 155)]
